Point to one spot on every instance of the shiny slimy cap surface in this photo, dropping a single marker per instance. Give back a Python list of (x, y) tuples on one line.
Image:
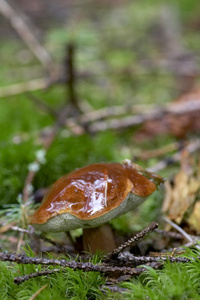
[(95, 190)]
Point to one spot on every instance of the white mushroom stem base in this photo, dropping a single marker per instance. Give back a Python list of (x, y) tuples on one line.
[(98, 238)]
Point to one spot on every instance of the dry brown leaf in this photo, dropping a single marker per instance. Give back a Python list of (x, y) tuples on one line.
[(182, 196)]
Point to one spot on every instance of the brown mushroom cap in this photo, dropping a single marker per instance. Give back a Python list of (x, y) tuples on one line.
[(92, 193)]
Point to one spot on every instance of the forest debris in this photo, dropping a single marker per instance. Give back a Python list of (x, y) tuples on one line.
[(113, 288), (147, 154), (178, 124), (178, 228), (19, 88), (42, 105), (38, 292), (84, 266), (26, 277), (191, 147), (26, 32), (177, 111), (132, 240), (126, 259), (71, 76), (179, 198), (182, 196), (115, 265)]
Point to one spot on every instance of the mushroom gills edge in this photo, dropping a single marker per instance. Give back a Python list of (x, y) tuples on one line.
[(67, 221)]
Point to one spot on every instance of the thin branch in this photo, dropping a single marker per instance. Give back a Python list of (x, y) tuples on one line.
[(84, 266), (132, 240), (21, 279), (34, 85), (42, 105), (128, 259), (112, 288), (116, 110), (71, 75), (38, 292), (147, 154), (154, 114), (179, 229), (17, 20), (20, 88)]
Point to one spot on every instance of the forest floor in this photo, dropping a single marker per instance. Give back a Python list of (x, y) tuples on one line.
[(102, 82)]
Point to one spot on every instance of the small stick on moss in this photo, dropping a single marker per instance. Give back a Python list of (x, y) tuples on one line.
[(38, 292), (84, 266), (128, 259), (132, 240), (112, 288), (21, 279)]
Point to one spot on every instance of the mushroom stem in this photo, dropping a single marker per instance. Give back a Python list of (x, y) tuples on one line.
[(98, 238)]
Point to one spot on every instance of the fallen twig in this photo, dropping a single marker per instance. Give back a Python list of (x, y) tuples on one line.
[(42, 105), (21, 279), (19, 88), (38, 292), (154, 114), (117, 110), (113, 288), (71, 75), (179, 229), (132, 240), (147, 154), (128, 259), (84, 266), (17, 20)]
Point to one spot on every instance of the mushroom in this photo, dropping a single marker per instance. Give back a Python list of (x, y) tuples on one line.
[(90, 197)]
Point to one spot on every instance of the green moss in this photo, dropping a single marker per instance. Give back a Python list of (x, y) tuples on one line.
[(174, 281), (67, 284)]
